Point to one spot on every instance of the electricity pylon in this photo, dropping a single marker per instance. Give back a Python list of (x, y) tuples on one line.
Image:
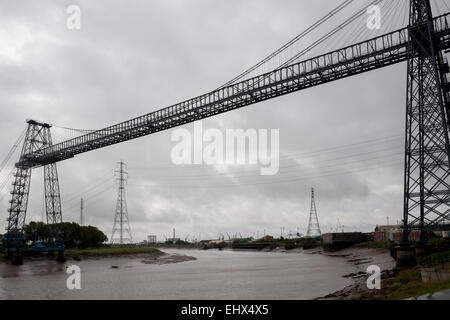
[(313, 225), (121, 222), (37, 137)]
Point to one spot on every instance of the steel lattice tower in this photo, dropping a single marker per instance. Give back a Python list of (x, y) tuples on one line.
[(81, 211), (427, 152), (38, 136), (121, 222), (313, 225)]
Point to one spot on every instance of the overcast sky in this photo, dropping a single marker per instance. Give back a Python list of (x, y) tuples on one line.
[(133, 57)]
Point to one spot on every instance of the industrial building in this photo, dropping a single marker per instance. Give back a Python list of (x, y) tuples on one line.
[(395, 233)]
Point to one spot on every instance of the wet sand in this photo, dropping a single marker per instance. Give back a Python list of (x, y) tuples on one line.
[(361, 258), (166, 258), (146, 258)]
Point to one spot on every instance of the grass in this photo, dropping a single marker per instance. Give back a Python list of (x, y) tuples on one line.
[(98, 252), (434, 259), (404, 285), (440, 244), (409, 284)]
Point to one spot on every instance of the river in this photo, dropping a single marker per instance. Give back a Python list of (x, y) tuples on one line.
[(214, 274)]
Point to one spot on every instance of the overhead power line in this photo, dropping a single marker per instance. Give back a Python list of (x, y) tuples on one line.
[(277, 52)]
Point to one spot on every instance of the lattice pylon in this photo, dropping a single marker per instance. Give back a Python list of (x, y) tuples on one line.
[(313, 224), (121, 221), (38, 136), (427, 152), (53, 203)]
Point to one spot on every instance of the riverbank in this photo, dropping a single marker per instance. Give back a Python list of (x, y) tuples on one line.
[(109, 252), (144, 255), (92, 253), (395, 284), (361, 258)]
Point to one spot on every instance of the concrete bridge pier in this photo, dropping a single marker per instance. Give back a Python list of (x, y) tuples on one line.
[(61, 257), (405, 256)]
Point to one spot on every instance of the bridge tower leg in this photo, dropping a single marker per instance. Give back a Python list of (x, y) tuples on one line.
[(427, 151), (37, 136), (14, 239), (53, 203)]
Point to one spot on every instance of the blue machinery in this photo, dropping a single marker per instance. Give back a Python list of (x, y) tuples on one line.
[(15, 252)]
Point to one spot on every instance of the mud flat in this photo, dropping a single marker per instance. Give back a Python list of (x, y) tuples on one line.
[(166, 258), (152, 257), (145, 255), (361, 259)]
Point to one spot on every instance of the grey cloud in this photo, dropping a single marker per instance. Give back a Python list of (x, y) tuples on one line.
[(128, 60)]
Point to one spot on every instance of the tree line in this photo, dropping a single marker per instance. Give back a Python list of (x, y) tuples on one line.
[(73, 235)]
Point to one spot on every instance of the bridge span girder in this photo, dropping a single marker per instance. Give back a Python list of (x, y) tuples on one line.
[(352, 60), (427, 121)]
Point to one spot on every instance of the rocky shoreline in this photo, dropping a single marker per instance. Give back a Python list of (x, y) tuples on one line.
[(361, 259)]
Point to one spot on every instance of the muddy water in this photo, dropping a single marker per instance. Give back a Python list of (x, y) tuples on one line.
[(213, 275)]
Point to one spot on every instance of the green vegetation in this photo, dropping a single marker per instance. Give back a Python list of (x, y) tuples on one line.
[(98, 252), (74, 235), (439, 244), (409, 284), (375, 245), (435, 259), (404, 285), (81, 241)]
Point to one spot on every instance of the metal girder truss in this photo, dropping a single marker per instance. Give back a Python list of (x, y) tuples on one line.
[(427, 154), (52, 199), (427, 151), (37, 137), (372, 54)]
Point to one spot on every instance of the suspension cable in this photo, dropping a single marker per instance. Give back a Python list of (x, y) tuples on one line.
[(329, 34), (75, 129), (283, 48), (12, 150), (291, 42), (316, 43)]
